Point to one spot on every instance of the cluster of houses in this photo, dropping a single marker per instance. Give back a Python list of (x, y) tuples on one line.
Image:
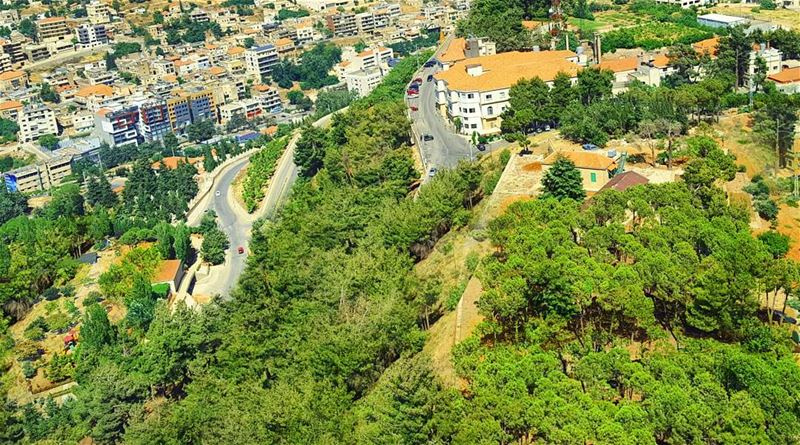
[(473, 83)]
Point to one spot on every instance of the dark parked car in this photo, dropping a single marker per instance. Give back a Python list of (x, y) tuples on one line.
[(481, 147), (432, 172), (427, 137), (430, 77), (429, 63)]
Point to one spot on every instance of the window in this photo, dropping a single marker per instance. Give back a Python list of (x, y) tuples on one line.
[(488, 96), (490, 110), (470, 95), (474, 126), (593, 177), (471, 110)]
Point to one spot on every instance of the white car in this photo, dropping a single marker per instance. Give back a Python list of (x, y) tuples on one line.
[(218, 193)]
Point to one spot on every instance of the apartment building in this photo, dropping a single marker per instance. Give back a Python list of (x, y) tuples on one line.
[(98, 13), (303, 32), (199, 15), (90, 36), (14, 50), (40, 176), (366, 60), (10, 109), (772, 58), (35, 53), (685, 4), (163, 67), (52, 28), (461, 49), (362, 82), (325, 5), (284, 46), (93, 97), (82, 122), (342, 24), (35, 120), (13, 81), (260, 60), (246, 108), (9, 18), (190, 106), (476, 90), (154, 121), (118, 127), (269, 98), (5, 63)]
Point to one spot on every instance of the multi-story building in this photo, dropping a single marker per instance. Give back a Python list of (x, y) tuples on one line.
[(13, 81), (36, 120), (200, 16), (246, 108), (118, 127), (14, 49), (98, 13), (362, 82), (52, 28), (191, 106), (325, 5), (365, 60), (772, 58), (100, 76), (40, 176), (685, 3), (260, 60), (10, 109), (284, 46), (342, 24), (154, 121), (9, 18), (5, 63), (475, 91), (94, 97), (163, 67), (461, 48), (269, 97), (90, 36), (35, 53), (303, 32)]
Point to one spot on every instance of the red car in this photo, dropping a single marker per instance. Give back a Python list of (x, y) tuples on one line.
[(241, 250), (414, 108), (418, 80)]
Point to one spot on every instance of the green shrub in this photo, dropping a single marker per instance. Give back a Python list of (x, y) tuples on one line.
[(34, 333), (28, 370)]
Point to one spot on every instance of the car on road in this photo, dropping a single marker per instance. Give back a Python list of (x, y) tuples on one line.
[(481, 147), (427, 137), (240, 250), (432, 172), (430, 77), (217, 193), (430, 63), (418, 80), (414, 108), (412, 92)]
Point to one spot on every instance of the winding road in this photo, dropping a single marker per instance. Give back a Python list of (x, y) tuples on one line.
[(236, 222)]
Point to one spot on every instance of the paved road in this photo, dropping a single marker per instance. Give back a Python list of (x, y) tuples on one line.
[(232, 222), (237, 223)]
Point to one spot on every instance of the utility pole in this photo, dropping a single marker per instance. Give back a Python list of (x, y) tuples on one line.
[(778, 141)]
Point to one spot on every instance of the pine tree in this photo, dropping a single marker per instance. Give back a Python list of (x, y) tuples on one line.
[(563, 180)]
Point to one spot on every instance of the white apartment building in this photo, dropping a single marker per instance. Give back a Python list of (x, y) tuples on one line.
[(98, 13), (324, 5), (685, 3), (362, 82), (365, 60), (246, 108), (40, 176), (5, 63), (36, 120), (476, 90), (163, 68), (772, 58), (82, 122), (91, 36), (9, 18), (260, 60), (269, 97)]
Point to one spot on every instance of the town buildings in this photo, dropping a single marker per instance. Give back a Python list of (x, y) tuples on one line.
[(474, 91), (39, 176), (36, 120), (260, 60)]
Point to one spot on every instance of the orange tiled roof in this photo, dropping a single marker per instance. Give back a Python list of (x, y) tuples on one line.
[(270, 130), (454, 51), (788, 75), (10, 105), (171, 162), (235, 50), (707, 46), (582, 159), (95, 90), (261, 88), (531, 24), (167, 271), (505, 69), (620, 65), (103, 111), (661, 61), (216, 70), (13, 74), (51, 20), (283, 41)]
